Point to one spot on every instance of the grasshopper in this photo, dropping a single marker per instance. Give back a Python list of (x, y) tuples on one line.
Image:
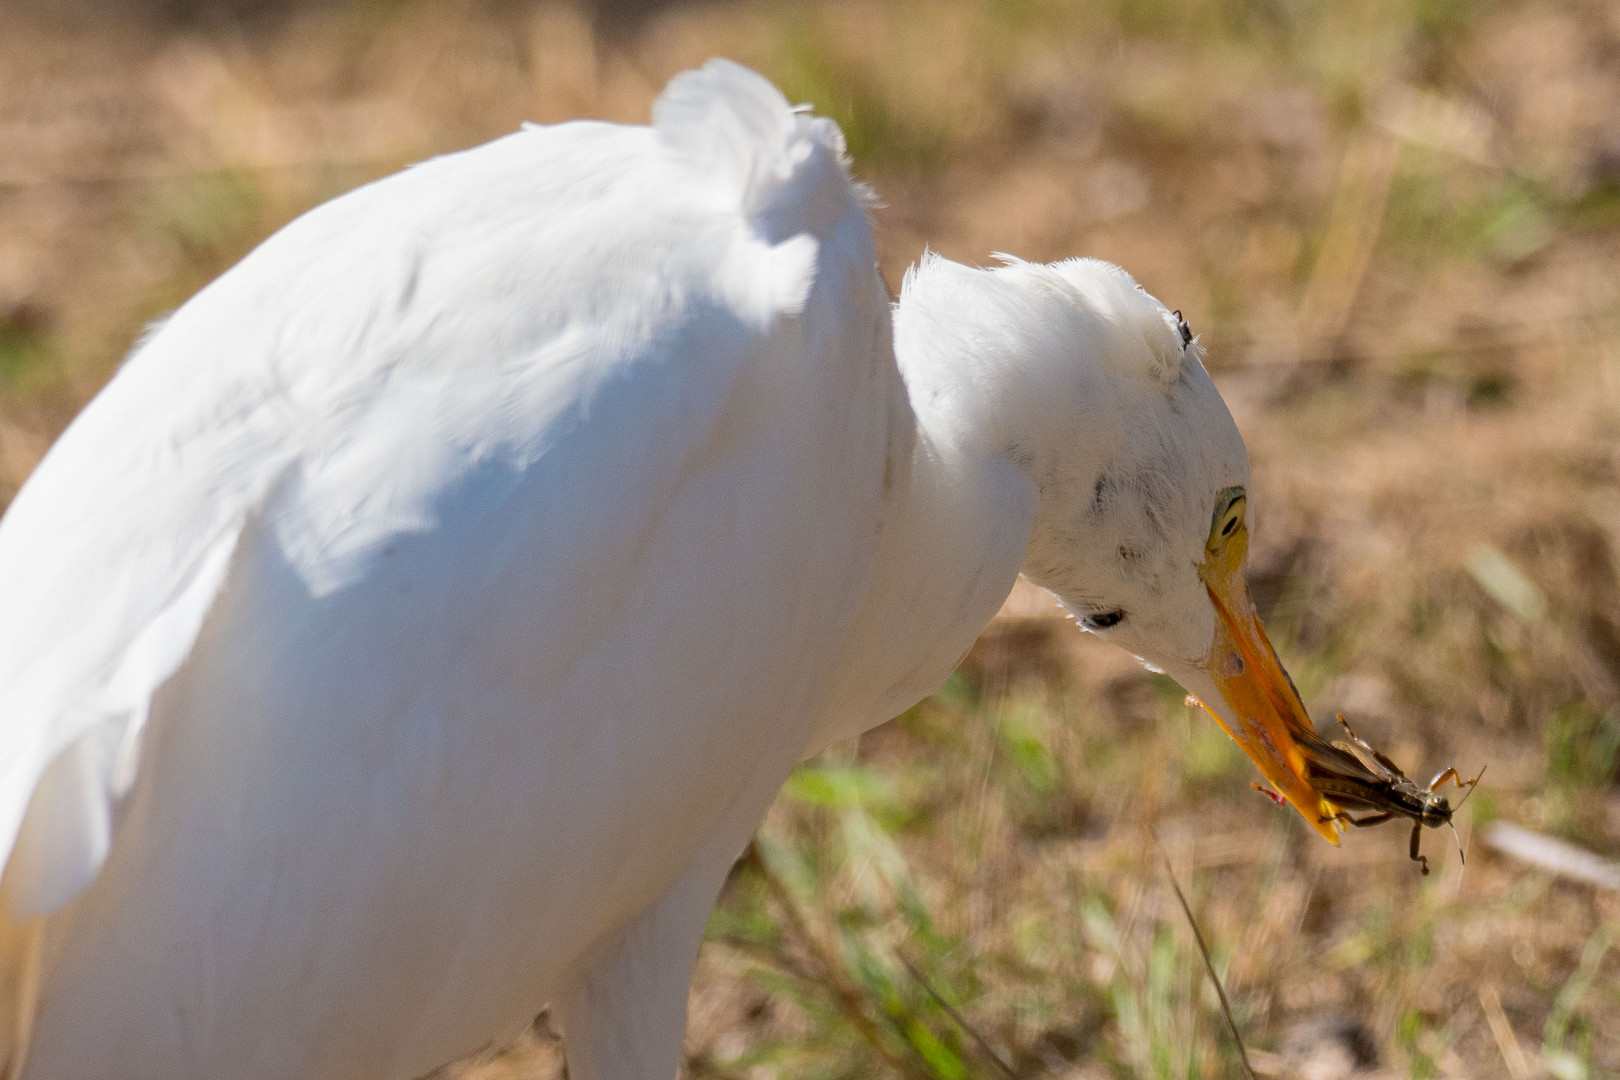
[(1356, 776)]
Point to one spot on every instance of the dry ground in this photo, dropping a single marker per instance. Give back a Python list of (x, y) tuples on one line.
[(1395, 224)]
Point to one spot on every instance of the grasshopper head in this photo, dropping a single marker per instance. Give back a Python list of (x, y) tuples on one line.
[(1436, 810)]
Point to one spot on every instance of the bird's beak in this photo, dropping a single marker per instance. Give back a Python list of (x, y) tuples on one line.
[(1268, 720)]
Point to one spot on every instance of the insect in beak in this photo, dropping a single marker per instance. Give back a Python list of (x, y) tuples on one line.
[(1358, 777)]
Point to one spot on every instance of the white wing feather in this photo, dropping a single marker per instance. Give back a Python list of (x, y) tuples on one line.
[(452, 439)]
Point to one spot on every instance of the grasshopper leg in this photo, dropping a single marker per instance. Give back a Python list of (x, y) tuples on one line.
[(1365, 745), (1362, 822), (1448, 773), (1454, 776), (1412, 850)]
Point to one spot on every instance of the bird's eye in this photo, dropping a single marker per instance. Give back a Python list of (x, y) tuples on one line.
[(1229, 510), (1102, 620)]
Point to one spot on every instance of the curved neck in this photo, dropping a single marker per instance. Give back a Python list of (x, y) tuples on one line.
[(955, 532)]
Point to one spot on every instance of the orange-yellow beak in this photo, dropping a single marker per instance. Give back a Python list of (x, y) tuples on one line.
[(1270, 719)]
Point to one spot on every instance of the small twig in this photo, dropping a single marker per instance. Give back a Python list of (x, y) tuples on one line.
[(1209, 965), (961, 1021), (1518, 1065)]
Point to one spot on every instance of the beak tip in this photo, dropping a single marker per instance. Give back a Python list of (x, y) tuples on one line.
[(1327, 822), (1270, 721)]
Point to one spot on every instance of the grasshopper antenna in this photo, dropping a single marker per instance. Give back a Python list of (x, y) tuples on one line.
[(1470, 792), (1461, 858)]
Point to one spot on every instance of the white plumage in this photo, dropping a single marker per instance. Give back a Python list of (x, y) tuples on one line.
[(414, 630)]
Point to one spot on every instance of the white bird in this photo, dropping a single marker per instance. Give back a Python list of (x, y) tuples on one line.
[(418, 625)]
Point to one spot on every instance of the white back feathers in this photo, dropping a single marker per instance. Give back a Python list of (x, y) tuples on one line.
[(784, 169)]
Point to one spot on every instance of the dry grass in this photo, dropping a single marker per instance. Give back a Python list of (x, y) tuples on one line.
[(1396, 225)]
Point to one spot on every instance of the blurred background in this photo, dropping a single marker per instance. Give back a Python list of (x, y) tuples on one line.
[(1395, 225)]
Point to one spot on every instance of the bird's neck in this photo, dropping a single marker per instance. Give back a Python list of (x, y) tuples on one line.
[(955, 532)]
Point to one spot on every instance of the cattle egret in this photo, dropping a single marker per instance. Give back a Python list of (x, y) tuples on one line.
[(418, 625)]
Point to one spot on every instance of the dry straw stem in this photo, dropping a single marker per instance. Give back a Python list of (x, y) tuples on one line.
[(1209, 965), (1353, 226), (961, 1021), (1362, 197), (1552, 854), (849, 996), (828, 973), (1506, 1041)]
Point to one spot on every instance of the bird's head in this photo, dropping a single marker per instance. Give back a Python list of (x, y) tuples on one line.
[(1097, 393)]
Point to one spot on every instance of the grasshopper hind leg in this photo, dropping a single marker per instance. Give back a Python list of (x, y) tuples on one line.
[(1365, 821), (1451, 773)]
